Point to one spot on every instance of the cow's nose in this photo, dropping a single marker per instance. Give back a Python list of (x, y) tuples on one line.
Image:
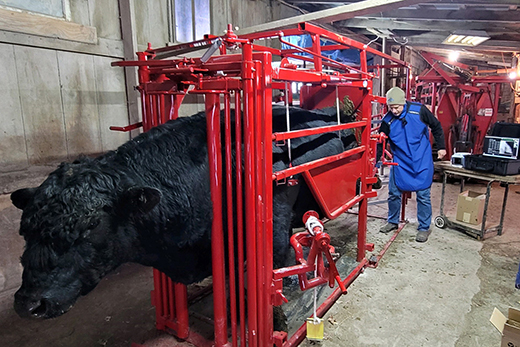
[(29, 307)]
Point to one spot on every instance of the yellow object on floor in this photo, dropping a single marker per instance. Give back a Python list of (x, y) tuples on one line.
[(314, 328)]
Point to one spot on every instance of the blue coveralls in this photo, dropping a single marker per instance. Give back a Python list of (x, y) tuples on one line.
[(410, 144)]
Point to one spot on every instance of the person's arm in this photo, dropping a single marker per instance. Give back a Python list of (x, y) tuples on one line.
[(384, 128), (438, 134)]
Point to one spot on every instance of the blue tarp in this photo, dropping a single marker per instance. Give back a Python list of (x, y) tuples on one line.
[(346, 56)]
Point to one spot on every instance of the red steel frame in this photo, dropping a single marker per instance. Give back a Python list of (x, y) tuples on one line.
[(450, 94), (247, 79)]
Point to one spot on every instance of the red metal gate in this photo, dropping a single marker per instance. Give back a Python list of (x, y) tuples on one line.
[(465, 101), (245, 81)]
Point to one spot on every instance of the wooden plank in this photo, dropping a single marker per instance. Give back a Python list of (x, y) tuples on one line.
[(79, 12), (157, 19), (13, 153), (105, 47), (78, 90), (333, 14), (141, 26), (104, 16), (219, 16), (40, 98), (127, 13), (34, 24), (430, 25), (112, 103)]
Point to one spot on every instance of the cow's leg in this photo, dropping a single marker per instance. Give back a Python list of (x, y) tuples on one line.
[(284, 198)]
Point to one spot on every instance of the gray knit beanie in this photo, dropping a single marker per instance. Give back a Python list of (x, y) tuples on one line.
[(395, 96)]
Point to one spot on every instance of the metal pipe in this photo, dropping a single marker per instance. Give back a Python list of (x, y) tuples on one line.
[(387, 245), (229, 211), (260, 212), (250, 192), (181, 305), (240, 216), (502, 214), (217, 233)]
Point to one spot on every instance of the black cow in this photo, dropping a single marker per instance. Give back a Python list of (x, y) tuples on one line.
[(146, 202)]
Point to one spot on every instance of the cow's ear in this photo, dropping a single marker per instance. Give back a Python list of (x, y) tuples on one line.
[(140, 199), (21, 197)]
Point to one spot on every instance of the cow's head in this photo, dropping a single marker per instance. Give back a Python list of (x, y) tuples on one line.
[(77, 227)]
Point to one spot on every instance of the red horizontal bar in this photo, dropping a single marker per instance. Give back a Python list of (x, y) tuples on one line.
[(312, 76), (221, 83), (345, 206), (315, 163), (314, 131), (291, 270), (313, 29), (379, 99), (127, 128)]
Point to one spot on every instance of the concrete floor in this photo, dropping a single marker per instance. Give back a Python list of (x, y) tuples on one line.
[(440, 293)]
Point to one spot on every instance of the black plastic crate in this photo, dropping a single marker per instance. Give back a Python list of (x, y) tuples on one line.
[(497, 166)]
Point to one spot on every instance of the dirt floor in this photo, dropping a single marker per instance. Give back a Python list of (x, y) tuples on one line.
[(440, 293)]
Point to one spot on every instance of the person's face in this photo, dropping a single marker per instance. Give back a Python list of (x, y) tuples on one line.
[(396, 109)]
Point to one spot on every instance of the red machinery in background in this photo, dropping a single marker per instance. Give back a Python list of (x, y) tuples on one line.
[(465, 102), (242, 77)]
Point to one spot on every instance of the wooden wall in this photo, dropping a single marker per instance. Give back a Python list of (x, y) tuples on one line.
[(60, 93)]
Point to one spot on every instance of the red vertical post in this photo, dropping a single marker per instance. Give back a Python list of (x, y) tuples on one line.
[(181, 309), (250, 193), (153, 110), (316, 48), (260, 218), (157, 297), (366, 112), (265, 109), (363, 61), (162, 110), (261, 242), (217, 232), (229, 211), (240, 217), (434, 100)]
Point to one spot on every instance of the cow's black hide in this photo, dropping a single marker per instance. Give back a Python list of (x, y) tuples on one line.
[(146, 202)]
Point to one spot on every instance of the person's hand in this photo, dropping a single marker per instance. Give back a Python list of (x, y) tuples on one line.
[(441, 153)]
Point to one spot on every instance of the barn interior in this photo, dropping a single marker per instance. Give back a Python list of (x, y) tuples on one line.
[(63, 97)]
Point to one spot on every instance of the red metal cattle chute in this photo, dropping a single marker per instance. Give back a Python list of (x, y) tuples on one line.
[(464, 100), (246, 80)]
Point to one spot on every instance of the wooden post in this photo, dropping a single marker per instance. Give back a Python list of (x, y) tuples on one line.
[(128, 34)]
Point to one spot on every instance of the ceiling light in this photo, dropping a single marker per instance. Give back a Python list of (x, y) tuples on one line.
[(469, 38), (453, 56), (512, 75)]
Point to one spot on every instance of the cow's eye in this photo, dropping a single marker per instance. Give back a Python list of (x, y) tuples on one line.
[(93, 224)]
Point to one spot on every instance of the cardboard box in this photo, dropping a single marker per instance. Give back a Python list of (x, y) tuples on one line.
[(470, 207), (509, 327)]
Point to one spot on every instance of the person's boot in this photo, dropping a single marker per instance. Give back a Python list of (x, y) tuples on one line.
[(388, 227), (422, 235)]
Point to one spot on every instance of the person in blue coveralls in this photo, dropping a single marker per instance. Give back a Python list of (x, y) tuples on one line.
[(406, 125)]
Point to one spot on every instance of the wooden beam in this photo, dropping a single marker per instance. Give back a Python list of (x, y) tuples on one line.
[(33, 24), (430, 25), (333, 14), (435, 40), (129, 36), (104, 47), (450, 2), (476, 15)]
